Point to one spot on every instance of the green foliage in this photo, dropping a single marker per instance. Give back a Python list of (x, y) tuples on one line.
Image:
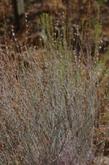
[(47, 23), (101, 1), (98, 30)]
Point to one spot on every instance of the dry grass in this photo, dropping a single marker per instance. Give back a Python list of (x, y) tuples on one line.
[(48, 104), (51, 101)]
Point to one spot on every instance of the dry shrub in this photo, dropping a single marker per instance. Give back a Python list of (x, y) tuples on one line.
[(48, 103)]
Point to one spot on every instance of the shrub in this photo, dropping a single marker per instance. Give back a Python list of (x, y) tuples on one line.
[(48, 107)]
